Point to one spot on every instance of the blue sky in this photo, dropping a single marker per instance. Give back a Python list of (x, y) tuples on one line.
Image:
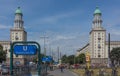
[(67, 23)]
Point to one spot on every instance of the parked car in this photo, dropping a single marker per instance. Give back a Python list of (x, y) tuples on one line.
[(5, 70), (0, 68)]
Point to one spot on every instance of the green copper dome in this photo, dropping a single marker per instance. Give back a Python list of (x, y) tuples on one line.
[(18, 11), (97, 11)]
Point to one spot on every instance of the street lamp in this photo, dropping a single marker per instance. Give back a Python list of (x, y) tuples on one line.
[(44, 38), (74, 59)]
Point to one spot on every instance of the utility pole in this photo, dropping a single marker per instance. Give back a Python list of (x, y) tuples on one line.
[(74, 59), (44, 38), (109, 61), (53, 55), (58, 54)]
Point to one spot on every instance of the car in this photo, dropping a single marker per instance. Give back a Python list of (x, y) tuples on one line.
[(0, 68), (5, 70)]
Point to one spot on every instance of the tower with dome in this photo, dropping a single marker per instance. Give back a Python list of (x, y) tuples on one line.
[(98, 46), (17, 33)]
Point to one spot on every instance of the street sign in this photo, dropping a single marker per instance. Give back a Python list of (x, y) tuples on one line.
[(47, 59), (87, 56), (25, 49), (17, 62), (20, 48)]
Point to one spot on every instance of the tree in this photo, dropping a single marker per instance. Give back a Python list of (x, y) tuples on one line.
[(2, 54), (1, 48), (81, 58), (64, 59), (35, 58), (115, 56), (68, 59), (71, 59)]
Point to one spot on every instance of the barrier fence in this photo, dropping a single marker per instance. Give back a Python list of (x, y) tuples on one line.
[(30, 70)]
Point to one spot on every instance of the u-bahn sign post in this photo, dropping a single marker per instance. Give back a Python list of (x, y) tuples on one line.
[(25, 48), (88, 60)]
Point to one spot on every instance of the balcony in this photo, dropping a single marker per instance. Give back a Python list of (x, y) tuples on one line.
[(99, 38), (99, 46)]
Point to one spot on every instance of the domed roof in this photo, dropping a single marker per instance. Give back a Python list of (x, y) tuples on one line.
[(18, 11), (97, 11)]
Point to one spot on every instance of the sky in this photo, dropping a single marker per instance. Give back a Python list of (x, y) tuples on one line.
[(65, 23)]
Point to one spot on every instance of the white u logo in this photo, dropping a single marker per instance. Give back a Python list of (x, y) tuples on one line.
[(25, 48)]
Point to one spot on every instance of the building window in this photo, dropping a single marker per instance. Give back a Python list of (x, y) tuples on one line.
[(99, 56), (99, 46), (16, 38), (99, 41), (99, 38)]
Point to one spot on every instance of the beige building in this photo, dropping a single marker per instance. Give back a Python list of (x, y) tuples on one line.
[(98, 46), (17, 33)]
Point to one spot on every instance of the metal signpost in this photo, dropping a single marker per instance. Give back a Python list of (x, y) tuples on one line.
[(88, 60), (25, 48)]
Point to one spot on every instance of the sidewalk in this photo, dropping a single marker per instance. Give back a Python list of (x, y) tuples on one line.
[(57, 72)]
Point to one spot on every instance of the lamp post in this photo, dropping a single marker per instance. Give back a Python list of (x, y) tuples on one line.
[(5, 54), (109, 61), (58, 53), (74, 59), (44, 38)]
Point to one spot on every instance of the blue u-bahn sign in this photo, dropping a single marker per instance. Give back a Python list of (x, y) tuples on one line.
[(25, 49)]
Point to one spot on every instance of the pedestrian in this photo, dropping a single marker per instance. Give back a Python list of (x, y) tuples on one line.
[(101, 72), (61, 68), (92, 72), (86, 72)]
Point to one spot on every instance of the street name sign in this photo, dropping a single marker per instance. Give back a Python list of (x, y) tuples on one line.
[(25, 49)]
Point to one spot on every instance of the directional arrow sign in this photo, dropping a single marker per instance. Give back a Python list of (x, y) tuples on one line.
[(25, 49), (48, 59)]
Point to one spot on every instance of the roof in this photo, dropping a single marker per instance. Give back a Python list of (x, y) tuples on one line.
[(83, 47), (113, 42), (97, 11), (18, 11)]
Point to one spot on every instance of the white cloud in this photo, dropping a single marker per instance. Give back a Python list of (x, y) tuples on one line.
[(60, 37), (68, 42), (4, 27), (115, 32), (54, 18), (3, 17), (112, 19)]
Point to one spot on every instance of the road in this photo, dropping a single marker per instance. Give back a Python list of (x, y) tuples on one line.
[(57, 72)]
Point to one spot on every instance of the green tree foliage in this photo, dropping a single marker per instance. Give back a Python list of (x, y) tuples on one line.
[(115, 56), (81, 58), (2, 54), (1, 48), (71, 59), (35, 59), (68, 59), (64, 59)]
